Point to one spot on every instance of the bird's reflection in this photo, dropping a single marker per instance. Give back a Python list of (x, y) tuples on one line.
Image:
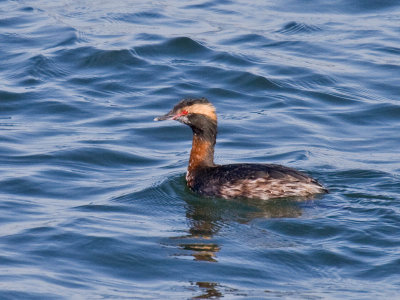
[(210, 290), (205, 217)]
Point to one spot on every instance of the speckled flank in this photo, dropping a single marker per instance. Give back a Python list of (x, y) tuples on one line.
[(260, 181), (264, 188)]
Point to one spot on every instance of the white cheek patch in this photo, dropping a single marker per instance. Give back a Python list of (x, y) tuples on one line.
[(184, 119)]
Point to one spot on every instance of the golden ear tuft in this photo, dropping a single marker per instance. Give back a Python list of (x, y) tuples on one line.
[(206, 109)]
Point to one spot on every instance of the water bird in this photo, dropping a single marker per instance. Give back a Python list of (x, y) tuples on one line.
[(246, 180)]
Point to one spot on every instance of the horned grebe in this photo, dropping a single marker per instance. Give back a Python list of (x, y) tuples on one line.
[(258, 181)]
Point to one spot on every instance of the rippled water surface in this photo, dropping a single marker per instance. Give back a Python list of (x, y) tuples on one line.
[(92, 191)]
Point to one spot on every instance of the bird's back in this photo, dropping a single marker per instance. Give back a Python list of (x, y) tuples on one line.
[(261, 181)]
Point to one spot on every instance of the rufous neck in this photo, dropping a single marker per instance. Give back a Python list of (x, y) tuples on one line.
[(202, 153)]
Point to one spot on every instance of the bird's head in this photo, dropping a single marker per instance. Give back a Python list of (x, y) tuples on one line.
[(192, 112)]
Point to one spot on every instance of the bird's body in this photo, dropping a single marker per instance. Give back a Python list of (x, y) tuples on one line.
[(256, 181), (260, 181)]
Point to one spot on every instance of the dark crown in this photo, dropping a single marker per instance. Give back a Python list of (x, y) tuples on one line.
[(190, 101)]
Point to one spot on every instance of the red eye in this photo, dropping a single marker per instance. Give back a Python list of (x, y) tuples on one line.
[(184, 112)]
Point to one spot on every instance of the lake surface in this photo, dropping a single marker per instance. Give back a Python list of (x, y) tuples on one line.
[(93, 201)]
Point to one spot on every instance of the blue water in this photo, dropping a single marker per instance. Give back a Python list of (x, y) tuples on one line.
[(93, 202)]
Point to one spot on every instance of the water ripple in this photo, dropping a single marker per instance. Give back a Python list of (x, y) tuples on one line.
[(295, 28), (182, 47)]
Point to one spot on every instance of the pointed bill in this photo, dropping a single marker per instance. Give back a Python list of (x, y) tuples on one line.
[(168, 116)]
